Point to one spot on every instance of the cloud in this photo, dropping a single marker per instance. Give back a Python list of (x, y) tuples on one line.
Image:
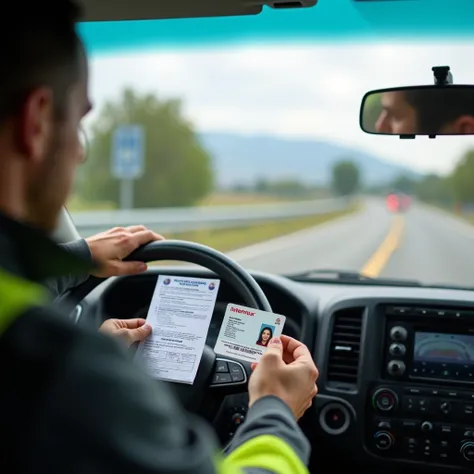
[(302, 90)]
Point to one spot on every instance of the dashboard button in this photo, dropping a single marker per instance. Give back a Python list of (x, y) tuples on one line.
[(236, 372), (416, 391), (467, 450), (468, 409), (398, 334), (221, 366), (445, 407), (427, 427), (445, 429), (424, 405), (219, 379), (384, 400), (411, 446), (396, 368), (408, 405), (383, 440), (335, 418), (397, 349)]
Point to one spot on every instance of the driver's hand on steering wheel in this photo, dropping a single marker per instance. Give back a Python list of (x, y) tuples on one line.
[(129, 331), (109, 248), (286, 371)]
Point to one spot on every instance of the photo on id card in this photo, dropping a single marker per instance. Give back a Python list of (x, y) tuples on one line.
[(246, 332)]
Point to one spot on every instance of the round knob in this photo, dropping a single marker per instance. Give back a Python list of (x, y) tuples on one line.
[(238, 419), (445, 407), (396, 368), (398, 333), (397, 349), (426, 427), (334, 418), (383, 440), (384, 399), (467, 450)]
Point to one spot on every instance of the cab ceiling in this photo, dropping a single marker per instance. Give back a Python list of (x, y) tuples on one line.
[(113, 10)]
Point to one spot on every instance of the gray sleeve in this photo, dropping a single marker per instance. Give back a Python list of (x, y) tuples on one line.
[(106, 415), (60, 285), (270, 415)]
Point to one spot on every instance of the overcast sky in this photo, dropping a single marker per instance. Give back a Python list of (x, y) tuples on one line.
[(310, 90)]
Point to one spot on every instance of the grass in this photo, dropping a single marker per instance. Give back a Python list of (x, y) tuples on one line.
[(238, 199), (76, 204), (227, 240)]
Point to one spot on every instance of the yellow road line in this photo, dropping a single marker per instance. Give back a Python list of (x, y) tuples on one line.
[(381, 257)]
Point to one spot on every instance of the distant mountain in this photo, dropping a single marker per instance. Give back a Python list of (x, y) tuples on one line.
[(241, 159)]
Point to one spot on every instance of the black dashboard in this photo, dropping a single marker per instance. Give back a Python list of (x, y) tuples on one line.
[(396, 386)]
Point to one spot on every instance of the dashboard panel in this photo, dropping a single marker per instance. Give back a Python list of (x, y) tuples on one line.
[(396, 386)]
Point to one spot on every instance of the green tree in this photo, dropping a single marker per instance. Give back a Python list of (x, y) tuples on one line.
[(372, 108), (462, 178), (345, 178), (435, 189), (178, 171), (404, 184)]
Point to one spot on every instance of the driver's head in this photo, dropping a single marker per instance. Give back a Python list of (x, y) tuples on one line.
[(427, 111), (397, 116), (43, 98)]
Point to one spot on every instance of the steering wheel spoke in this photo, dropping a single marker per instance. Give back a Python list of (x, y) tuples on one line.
[(229, 373)]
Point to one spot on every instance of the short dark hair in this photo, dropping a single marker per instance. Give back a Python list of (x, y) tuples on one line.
[(435, 107), (41, 48)]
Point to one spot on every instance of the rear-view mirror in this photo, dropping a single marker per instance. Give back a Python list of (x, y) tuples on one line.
[(419, 110)]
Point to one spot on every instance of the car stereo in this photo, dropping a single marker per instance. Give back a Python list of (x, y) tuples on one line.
[(423, 344)]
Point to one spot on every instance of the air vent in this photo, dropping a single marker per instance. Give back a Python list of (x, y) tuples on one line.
[(343, 363)]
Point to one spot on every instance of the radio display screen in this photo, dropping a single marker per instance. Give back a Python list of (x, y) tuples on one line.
[(443, 355)]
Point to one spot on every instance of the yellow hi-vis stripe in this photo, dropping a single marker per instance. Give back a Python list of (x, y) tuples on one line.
[(263, 452), (16, 295)]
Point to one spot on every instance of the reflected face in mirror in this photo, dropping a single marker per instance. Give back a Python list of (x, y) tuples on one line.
[(397, 116), (425, 110)]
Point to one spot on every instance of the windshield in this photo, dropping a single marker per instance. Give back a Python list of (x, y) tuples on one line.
[(243, 134)]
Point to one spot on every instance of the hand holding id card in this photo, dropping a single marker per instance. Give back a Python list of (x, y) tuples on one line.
[(246, 332)]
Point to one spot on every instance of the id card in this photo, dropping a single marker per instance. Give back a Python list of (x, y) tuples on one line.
[(246, 332)]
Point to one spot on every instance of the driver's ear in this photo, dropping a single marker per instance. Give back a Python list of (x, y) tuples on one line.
[(464, 125)]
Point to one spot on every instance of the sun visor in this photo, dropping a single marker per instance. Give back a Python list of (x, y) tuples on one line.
[(116, 10)]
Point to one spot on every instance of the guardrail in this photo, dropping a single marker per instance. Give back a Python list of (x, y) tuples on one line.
[(169, 220)]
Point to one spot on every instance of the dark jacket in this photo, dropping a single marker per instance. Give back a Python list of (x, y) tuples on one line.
[(63, 283), (73, 401)]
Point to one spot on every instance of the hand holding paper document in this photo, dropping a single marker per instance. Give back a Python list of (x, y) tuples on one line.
[(180, 313), (246, 332)]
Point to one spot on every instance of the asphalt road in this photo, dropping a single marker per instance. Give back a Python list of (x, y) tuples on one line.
[(430, 245)]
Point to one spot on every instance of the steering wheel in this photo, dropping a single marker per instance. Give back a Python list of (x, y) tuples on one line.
[(219, 375)]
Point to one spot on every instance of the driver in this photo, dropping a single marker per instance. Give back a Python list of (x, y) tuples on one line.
[(72, 399), (427, 112)]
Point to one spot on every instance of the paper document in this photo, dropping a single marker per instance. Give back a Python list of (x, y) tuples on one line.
[(180, 313), (245, 332)]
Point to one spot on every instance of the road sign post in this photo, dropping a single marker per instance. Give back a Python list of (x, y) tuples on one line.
[(127, 160)]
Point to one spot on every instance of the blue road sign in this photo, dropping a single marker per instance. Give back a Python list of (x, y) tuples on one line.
[(128, 152)]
